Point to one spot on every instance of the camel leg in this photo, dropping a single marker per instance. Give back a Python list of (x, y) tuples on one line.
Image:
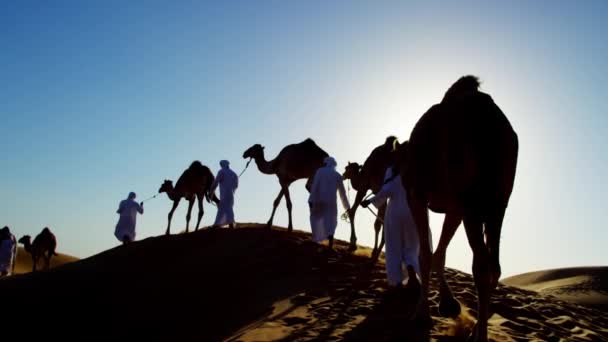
[(48, 260), (199, 197), (34, 262), (481, 275), (378, 225), (275, 204), (289, 206), (188, 214), (170, 216), (351, 216), (492, 231), (448, 305), (421, 218)]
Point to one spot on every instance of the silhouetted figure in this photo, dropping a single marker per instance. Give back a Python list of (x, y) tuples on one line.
[(128, 209), (195, 181), (322, 201), (228, 182), (295, 161), (368, 177), (8, 252), (461, 160), (401, 235), (43, 246)]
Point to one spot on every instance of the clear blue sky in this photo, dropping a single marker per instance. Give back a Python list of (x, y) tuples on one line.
[(100, 98)]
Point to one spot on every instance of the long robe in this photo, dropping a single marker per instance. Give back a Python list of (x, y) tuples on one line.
[(402, 244), (8, 254), (128, 210), (228, 182), (323, 203)]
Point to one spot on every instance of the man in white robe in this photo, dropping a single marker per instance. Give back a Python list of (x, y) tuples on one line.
[(323, 203), (128, 209), (8, 252), (402, 244), (228, 182)]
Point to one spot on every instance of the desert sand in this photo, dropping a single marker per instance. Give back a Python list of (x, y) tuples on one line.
[(24, 261), (253, 284)]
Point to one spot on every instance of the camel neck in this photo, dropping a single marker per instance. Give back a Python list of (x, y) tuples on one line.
[(172, 194), (263, 165), (357, 182)]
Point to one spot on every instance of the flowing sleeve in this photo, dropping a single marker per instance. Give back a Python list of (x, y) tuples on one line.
[(140, 209), (342, 193), (216, 181), (380, 198), (312, 198), (121, 207)]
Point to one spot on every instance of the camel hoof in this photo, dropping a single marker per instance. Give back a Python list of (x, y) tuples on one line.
[(352, 247), (449, 307), (476, 336)]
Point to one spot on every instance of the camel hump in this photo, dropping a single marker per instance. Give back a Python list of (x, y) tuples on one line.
[(309, 142), (196, 165), (390, 142), (465, 84)]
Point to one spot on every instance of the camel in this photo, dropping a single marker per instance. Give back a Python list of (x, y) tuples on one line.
[(370, 176), (194, 181), (461, 160), (43, 246), (295, 161)]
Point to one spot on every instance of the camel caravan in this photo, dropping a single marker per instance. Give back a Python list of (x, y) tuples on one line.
[(460, 160)]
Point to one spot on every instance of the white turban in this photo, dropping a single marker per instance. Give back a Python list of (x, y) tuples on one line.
[(330, 161)]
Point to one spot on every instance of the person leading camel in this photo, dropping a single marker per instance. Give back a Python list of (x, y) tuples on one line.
[(228, 182), (8, 252), (400, 232), (322, 201), (128, 209)]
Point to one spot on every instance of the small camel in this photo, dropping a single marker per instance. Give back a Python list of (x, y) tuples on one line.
[(370, 176), (43, 246), (295, 161), (461, 160), (194, 182)]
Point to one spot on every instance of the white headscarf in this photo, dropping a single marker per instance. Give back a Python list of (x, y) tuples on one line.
[(330, 162)]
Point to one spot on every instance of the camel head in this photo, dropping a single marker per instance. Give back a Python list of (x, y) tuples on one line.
[(167, 186), (351, 171), (25, 240), (255, 151)]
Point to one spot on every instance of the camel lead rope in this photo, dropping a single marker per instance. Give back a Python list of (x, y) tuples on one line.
[(149, 198), (246, 166)]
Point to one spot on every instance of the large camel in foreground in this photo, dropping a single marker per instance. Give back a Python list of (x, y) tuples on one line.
[(295, 161), (370, 176), (194, 181), (461, 160)]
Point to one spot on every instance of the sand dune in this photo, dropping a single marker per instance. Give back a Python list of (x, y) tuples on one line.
[(253, 284), (24, 261), (581, 285)]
